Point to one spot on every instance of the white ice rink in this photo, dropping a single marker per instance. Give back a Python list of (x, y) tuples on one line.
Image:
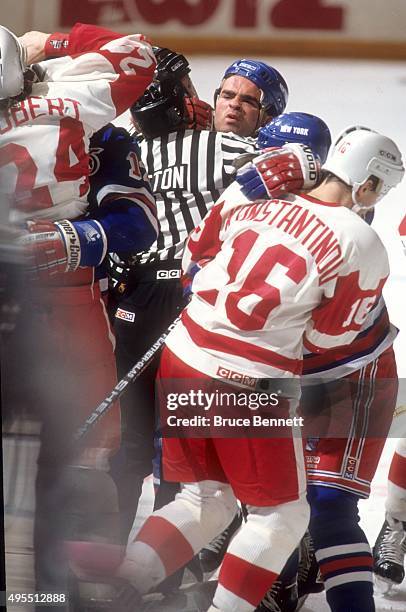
[(343, 93)]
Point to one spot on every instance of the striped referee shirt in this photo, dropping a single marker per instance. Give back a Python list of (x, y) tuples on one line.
[(188, 171)]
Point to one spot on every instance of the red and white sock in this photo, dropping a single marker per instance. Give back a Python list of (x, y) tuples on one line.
[(396, 499), (258, 553), (172, 535)]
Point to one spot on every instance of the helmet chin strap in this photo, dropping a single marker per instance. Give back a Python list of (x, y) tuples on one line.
[(356, 206)]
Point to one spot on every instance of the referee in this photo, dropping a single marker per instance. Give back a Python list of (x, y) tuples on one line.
[(188, 170)]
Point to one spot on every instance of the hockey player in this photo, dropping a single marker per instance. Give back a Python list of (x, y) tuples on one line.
[(114, 159), (282, 170), (372, 349), (48, 112), (340, 470), (322, 297), (270, 175)]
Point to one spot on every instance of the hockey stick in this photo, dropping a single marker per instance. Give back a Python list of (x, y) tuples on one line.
[(121, 386)]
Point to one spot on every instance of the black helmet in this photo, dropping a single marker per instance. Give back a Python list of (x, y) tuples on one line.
[(161, 109)]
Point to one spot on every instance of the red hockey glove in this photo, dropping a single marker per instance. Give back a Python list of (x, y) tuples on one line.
[(46, 252), (199, 114), (279, 170)]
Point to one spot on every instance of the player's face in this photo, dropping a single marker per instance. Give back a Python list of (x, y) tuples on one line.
[(238, 107)]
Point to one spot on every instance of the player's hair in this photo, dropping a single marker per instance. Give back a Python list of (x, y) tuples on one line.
[(329, 177)]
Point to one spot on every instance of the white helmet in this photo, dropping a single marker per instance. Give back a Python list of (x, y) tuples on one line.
[(12, 65), (360, 152)]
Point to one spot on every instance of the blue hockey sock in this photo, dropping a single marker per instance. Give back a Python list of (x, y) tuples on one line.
[(342, 550)]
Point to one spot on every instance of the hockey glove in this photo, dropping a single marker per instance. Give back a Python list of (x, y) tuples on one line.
[(187, 281), (198, 114), (50, 249), (188, 278), (279, 170)]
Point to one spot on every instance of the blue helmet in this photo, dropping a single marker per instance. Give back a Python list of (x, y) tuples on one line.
[(296, 127), (273, 86)]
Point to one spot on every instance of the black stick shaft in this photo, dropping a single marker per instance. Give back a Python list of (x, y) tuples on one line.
[(121, 386)]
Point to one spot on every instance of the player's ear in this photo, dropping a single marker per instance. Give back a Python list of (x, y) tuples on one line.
[(216, 95), (366, 192), (369, 185), (263, 118), (361, 191), (376, 183)]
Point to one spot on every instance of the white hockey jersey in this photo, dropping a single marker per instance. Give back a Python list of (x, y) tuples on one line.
[(44, 140), (282, 274), (376, 333)]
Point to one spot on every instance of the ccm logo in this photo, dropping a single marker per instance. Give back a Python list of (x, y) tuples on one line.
[(125, 315), (314, 460), (236, 376), (165, 274), (350, 468), (387, 154)]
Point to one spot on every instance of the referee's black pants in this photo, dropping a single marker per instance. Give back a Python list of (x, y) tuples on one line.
[(141, 317)]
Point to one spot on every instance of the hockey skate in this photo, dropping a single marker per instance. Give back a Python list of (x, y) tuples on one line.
[(91, 595), (212, 555), (195, 597), (389, 554), (281, 597), (308, 578), (93, 586)]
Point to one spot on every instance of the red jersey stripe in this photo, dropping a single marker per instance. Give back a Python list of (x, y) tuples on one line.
[(218, 342)]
